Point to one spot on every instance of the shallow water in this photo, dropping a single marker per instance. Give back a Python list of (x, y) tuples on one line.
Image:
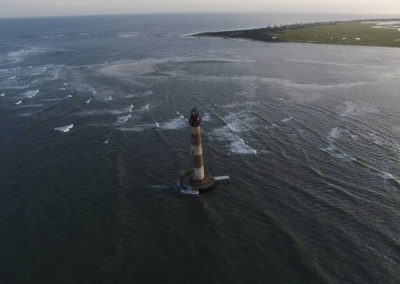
[(309, 135)]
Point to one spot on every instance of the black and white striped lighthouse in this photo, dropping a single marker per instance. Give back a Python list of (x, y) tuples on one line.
[(197, 179)]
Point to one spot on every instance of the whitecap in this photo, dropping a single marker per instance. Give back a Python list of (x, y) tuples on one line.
[(143, 108), (31, 94), (187, 191), (123, 119), (287, 119), (88, 101), (176, 123), (330, 148), (17, 103), (239, 147), (387, 176), (206, 117), (64, 128), (334, 133), (235, 124), (69, 96), (2, 95)]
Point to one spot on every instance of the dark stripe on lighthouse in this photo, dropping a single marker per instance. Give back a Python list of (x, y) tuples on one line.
[(197, 161), (196, 140)]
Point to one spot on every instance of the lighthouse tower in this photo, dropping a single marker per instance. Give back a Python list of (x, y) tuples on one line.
[(197, 180), (197, 173)]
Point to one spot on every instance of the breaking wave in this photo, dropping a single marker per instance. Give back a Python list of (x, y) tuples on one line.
[(123, 119), (177, 123), (64, 128), (237, 145), (31, 94)]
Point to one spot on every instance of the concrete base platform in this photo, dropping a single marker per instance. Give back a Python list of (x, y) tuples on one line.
[(208, 184)]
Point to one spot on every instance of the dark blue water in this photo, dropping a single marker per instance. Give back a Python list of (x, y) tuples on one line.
[(94, 137)]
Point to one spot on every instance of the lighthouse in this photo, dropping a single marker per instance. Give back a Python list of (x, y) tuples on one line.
[(198, 180), (197, 173)]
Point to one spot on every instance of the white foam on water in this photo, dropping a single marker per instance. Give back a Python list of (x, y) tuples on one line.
[(3, 70), (2, 95), (106, 142), (88, 101), (334, 133), (143, 108), (176, 123), (69, 96), (345, 157), (64, 128), (206, 117), (337, 154), (110, 99), (123, 119), (31, 94), (189, 191), (287, 119), (61, 89), (330, 148), (379, 140), (13, 77), (140, 128), (235, 124), (239, 147), (387, 176), (17, 103)]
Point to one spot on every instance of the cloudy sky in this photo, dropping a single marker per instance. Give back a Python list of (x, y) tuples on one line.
[(28, 8)]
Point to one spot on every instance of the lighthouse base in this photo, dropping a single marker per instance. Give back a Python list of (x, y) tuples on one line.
[(208, 184)]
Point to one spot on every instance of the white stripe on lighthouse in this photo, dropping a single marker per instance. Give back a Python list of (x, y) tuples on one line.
[(196, 150), (195, 130), (198, 173)]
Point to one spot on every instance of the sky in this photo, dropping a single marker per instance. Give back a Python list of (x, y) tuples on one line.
[(35, 8)]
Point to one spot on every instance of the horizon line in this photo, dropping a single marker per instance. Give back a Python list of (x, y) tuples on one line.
[(183, 13)]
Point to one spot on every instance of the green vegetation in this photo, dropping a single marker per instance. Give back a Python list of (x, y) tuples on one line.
[(351, 33), (345, 33)]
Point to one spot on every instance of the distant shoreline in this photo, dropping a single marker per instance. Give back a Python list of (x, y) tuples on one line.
[(386, 32)]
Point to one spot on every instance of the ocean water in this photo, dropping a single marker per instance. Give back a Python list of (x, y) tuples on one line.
[(94, 137)]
